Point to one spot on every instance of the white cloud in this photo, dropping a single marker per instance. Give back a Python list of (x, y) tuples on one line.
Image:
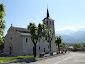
[(66, 28)]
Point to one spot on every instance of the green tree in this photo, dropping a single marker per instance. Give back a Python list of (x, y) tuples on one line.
[(58, 41), (76, 46), (2, 22), (36, 33), (49, 37), (83, 45), (62, 45)]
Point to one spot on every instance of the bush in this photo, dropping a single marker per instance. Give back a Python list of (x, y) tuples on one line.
[(61, 51), (61, 45), (76, 46), (57, 52), (41, 54), (83, 45), (51, 53)]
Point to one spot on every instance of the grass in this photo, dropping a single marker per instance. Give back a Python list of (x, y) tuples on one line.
[(6, 59)]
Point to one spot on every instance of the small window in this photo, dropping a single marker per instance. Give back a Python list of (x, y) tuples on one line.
[(50, 22), (26, 39), (11, 38), (44, 49), (47, 22), (39, 47)]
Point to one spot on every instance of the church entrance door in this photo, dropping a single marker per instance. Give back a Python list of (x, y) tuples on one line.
[(10, 49)]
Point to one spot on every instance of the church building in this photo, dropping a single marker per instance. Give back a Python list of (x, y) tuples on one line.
[(18, 40)]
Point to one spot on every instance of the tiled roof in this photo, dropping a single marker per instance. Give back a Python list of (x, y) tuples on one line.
[(21, 30)]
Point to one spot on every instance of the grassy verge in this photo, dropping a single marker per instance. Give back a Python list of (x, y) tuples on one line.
[(6, 59)]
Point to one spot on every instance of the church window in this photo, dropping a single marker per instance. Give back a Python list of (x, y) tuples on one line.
[(50, 22), (11, 38), (26, 39), (47, 22), (39, 47), (10, 49), (44, 49)]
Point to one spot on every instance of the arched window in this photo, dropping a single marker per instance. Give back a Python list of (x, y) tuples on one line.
[(47, 22), (26, 39), (10, 48), (50, 22), (39, 47), (44, 49), (11, 38)]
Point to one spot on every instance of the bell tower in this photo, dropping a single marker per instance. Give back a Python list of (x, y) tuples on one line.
[(50, 25)]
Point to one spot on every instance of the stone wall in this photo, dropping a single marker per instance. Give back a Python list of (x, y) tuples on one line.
[(12, 38)]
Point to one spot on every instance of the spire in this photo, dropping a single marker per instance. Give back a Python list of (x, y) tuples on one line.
[(47, 13)]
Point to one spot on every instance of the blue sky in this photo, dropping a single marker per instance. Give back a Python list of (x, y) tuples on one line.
[(68, 14)]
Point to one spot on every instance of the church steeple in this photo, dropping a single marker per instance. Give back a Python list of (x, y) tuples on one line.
[(48, 13)]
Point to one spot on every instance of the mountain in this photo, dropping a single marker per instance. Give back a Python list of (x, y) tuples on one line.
[(65, 32), (69, 36)]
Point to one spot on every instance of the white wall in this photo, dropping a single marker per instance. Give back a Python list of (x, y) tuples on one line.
[(27, 47)]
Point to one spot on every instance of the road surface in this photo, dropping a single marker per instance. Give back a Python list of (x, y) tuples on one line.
[(68, 58)]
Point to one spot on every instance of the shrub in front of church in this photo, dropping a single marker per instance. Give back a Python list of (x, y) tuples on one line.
[(41, 54), (57, 52), (61, 51), (51, 53)]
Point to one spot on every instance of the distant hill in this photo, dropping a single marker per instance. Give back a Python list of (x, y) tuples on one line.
[(69, 36)]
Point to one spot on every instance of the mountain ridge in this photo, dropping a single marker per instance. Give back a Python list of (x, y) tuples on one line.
[(72, 36)]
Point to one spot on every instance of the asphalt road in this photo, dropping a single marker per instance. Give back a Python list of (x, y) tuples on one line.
[(68, 58)]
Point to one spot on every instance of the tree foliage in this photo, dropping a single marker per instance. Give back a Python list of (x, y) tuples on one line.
[(49, 37), (2, 22), (58, 41), (36, 33), (76, 46), (83, 45), (61, 45)]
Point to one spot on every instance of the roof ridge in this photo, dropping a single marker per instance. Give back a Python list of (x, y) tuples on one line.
[(20, 27)]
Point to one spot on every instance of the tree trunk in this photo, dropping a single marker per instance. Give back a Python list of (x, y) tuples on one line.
[(34, 49), (58, 48), (49, 47)]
